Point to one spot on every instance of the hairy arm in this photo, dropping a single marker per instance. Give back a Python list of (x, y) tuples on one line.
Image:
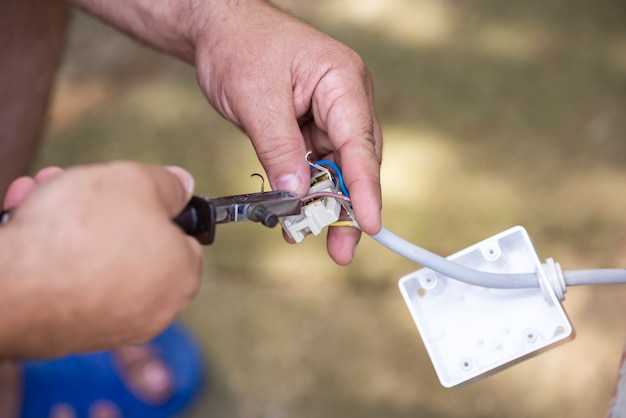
[(167, 25)]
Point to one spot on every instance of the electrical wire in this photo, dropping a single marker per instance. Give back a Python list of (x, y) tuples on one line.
[(451, 269), (338, 174), (317, 195), (594, 276), (427, 258), (468, 275), (342, 223), (457, 271)]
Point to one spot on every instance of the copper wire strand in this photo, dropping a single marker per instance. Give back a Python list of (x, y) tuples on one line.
[(262, 180), (326, 194), (317, 166)]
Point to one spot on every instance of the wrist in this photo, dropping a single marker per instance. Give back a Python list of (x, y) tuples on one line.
[(12, 283), (214, 24)]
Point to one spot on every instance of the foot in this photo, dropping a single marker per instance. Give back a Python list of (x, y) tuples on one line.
[(146, 376)]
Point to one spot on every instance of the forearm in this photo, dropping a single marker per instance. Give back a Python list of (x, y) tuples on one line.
[(161, 24), (172, 26)]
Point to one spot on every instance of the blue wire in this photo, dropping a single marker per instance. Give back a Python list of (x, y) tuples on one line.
[(338, 174)]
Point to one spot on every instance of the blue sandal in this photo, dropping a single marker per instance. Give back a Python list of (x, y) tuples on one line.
[(81, 380)]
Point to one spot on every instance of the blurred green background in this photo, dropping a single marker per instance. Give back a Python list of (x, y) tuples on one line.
[(494, 113)]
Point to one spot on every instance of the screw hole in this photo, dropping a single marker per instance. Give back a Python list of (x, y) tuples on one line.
[(428, 281), (466, 365), (491, 252), (530, 336)]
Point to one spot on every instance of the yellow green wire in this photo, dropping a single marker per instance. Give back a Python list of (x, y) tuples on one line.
[(342, 223)]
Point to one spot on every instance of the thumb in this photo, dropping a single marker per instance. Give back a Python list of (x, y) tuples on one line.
[(174, 186), (279, 145), (286, 167)]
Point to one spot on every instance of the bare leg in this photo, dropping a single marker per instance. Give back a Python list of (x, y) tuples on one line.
[(9, 390), (32, 34)]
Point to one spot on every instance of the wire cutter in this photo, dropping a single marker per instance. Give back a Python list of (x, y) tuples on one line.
[(202, 214)]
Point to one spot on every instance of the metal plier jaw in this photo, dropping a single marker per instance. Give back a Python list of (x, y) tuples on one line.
[(201, 214)]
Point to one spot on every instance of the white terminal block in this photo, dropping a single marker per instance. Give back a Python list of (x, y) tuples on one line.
[(471, 331), (317, 213)]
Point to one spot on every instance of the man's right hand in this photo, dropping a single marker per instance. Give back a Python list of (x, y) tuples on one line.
[(92, 260)]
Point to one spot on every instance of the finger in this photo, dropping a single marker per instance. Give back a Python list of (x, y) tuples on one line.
[(273, 129), (288, 237), (362, 178), (174, 187), (318, 142), (185, 178), (348, 117), (342, 243), (17, 191), (47, 173), (21, 187)]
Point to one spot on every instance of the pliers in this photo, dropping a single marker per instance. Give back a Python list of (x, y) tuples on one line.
[(202, 214)]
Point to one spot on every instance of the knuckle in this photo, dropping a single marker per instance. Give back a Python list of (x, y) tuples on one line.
[(279, 151)]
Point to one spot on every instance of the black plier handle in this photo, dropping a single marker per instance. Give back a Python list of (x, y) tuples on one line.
[(202, 214), (198, 220)]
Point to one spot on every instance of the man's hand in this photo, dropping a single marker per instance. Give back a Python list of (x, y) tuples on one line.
[(292, 89), (93, 259)]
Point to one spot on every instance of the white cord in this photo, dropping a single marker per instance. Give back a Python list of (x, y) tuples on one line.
[(597, 276), (492, 280), (452, 269)]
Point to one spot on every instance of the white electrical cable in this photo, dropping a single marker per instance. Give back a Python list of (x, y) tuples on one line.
[(557, 278), (597, 276), (452, 269), (492, 280)]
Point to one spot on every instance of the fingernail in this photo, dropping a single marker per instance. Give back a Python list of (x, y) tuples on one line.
[(288, 183), (183, 175)]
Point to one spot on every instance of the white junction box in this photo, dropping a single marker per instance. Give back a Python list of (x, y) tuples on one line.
[(470, 331)]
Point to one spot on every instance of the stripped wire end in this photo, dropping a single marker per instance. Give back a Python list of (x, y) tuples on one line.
[(323, 205)]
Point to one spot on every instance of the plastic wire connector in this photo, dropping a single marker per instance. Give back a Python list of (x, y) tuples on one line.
[(320, 208)]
